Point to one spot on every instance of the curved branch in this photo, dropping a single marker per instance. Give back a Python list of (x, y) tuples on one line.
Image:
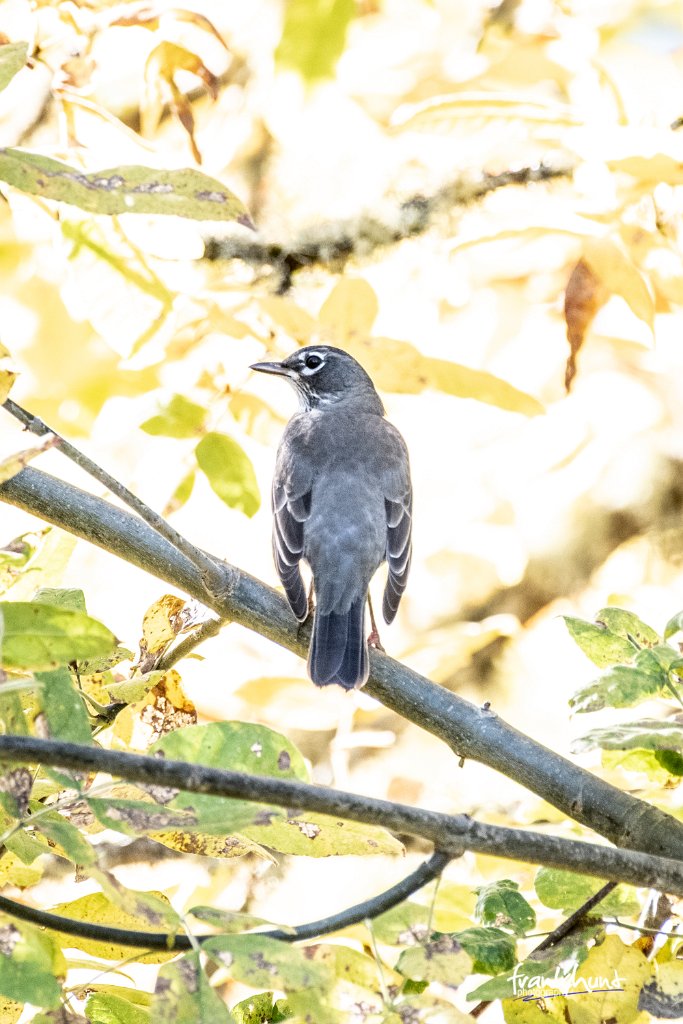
[(449, 833), (371, 908), (471, 732)]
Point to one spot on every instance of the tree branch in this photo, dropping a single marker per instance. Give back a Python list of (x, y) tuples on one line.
[(332, 245), (449, 833), (215, 573), (471, 732), (368, 909)]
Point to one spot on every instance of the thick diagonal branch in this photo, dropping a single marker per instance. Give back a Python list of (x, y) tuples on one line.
[(470, 731)]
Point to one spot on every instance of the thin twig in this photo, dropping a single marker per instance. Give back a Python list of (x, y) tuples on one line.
[(451, 833), (209, 628), (369, 909), (215, 573)]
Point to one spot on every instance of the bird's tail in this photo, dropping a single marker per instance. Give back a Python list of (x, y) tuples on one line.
[(339, 652)]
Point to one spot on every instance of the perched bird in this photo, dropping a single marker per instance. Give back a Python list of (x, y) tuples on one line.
[(342, 502)]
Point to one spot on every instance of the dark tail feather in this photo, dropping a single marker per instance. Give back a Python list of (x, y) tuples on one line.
[(339, 653)]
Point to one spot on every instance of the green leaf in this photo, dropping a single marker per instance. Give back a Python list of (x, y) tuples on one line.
[(30, 964), (178, 418), (238, 746), (73, 600), (98, 909), (491, 949), (106, 1008), (566, 891), (441, 959), (658, 765), (12, 60), (229, 471), (318, 835), (670, 761), (673, 626), (625, 624), (502, 904), (528, 975), (314, 36), (63, 707), (266, 963), (600, 644), (128, 189), (647, 734), (12, 713), (40, 636), (181, 494), (65, 836), (229, 920), (624, 686), (183, 995), (402, 925), (139, 818), (95, 666), (351, 966), (257, 750), (257, 1009)]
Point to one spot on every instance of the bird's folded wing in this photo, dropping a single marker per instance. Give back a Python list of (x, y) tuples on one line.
[(290, 511), (398, 503)]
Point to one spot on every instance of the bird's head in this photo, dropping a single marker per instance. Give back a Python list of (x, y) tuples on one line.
[(324, 376)]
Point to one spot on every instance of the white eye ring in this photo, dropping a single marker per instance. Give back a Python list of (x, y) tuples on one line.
[(307, 370)]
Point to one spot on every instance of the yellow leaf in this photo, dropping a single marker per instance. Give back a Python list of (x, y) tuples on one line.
[(161, 622), (292, 704), (350, 310), (611, 966), (492, 104), (650, 170), (514, 228), (293, 320), (618, 273), (98, 909), (7, 379), (13, 871), (398, 366), (210, 845), (9, 1010), (163, 708), (466, 382)]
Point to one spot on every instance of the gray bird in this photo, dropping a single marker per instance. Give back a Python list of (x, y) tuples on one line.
[(342, 502)]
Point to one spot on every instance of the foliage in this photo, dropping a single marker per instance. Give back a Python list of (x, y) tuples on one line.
[(481, 204)]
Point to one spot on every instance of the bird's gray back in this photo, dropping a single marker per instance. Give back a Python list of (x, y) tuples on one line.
[(344, 538)]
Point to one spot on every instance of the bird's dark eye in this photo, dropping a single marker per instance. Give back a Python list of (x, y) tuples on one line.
[(313, 362)]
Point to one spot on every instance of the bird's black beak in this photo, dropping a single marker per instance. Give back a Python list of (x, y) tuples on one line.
[(278, 368)]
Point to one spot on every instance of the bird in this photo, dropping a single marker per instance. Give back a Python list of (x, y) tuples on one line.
[(342, 503)]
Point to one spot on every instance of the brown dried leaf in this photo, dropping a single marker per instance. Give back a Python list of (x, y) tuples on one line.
[(584, 296), (162, 65)]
